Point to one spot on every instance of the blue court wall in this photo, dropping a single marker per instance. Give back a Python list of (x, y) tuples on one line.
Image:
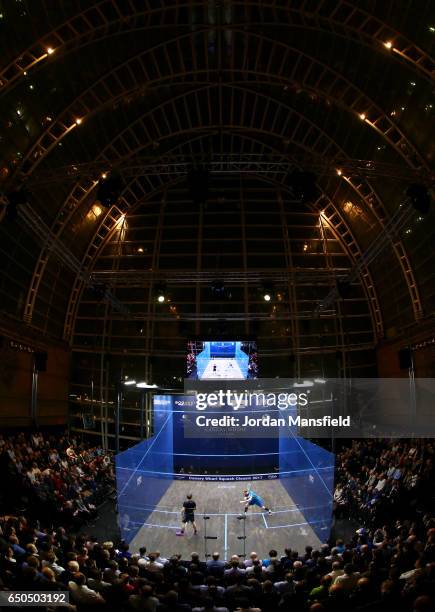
[(307, 474), (226, 350), (226, 455), (144, 472)]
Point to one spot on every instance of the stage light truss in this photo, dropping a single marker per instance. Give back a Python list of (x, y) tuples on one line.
[(175, 165), (53, 244), (230, 316), (304, 350), (389, 235), (140, 278)]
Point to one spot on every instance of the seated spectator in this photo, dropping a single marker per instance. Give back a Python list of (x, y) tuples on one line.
[(144, 600), (81, 594), (254, 567), (215, 566), (273, 555), (209, 606), (286, 585), (252, 557), (348, 580), (235, 571), (152, 565), (336, 570)]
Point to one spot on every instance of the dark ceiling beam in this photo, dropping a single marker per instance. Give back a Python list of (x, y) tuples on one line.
[(139, 278), (229, 163), (109, 18), (311, 75), (313, 349)]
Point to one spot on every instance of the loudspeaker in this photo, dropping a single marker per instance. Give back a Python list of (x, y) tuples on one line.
[(40, 361), (405, 358)]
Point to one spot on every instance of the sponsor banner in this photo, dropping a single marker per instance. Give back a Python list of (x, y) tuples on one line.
[(225, 478)]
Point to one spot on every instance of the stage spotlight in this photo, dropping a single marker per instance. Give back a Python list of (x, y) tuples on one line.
[(267, 291), (160, 292), (109, 190), (420, 197)]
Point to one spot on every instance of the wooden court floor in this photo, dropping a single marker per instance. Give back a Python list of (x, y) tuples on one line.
[(286, 527)]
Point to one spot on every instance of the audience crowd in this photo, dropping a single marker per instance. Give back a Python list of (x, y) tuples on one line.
[(385, 564), (377, 479), (53, 477)]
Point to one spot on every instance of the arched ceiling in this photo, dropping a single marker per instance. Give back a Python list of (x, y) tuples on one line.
[(344, 89)]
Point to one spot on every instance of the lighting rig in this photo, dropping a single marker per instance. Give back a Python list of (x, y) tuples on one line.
[(52, 243)]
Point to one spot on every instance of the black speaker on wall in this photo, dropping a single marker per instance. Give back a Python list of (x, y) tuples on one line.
[(405, 358), (40, 361)]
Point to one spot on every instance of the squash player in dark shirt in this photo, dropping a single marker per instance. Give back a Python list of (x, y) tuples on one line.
[(188, 515)]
